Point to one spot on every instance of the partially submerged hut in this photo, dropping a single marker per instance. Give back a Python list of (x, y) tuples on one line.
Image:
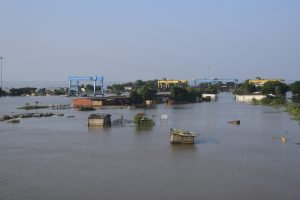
[(99, 120), (181, 137)]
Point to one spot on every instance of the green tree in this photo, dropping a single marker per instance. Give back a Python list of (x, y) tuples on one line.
[(60, 91), (41, 92), (179, 94), (275, 87), (295, 88), (135, 97), (246, 88), (147, 93), (152, 84), (22, 91), (139, 83)]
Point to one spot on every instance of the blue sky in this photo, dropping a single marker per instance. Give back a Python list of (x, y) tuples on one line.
[(130, 40)]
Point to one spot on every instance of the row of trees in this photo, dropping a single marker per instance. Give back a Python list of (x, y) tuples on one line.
[(119, 88), (272, 87), (33, 91), (140, 95)]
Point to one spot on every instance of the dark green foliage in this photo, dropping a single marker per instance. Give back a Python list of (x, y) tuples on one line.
[(3, 92), (60, 91), (147, 93), (294, 109), (295, 88), (179, 94), (22, 91), (141, 120), (142, 94), (116, 88), (41, 92), (135, 97), (139, 83), (209, 88), (33, 107), (275, 87), (246, 88), (271, 101), (151, 84), (89, 88)]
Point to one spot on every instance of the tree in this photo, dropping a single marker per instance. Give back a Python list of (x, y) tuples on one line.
[(295, 88), (179, 94), (152, 84), (22, 91), (41, 92), (60, 91), (116, 88), (275, 87), (135, 97), (147, 93), (139, 83), (246, 88)]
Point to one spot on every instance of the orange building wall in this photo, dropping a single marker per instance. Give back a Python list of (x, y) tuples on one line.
[(82, 102)]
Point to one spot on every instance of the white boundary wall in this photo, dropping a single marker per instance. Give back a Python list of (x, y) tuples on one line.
[(248, 98)]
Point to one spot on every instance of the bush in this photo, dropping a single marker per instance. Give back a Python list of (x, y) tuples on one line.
[(141, 120)]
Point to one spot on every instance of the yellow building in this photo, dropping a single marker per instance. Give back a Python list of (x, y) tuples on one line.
[(261, 82), (166, 84)]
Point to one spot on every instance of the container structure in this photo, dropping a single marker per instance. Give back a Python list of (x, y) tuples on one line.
[(99, 120), (181, 137)]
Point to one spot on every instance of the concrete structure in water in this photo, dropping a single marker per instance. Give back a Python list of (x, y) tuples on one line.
[(249, 98), (101, 101), (181, 137), (99, 120), (209, 96)]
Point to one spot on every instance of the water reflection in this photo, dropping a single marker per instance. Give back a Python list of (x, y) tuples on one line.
[(179, 148), (140, 129), (98, 129)]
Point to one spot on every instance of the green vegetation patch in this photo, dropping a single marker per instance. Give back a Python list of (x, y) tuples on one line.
[(293, 109), (141, 120)]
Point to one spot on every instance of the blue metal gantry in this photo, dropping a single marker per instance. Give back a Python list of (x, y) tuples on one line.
[(95, 79)]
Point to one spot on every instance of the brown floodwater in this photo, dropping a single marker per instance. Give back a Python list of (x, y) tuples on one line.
[(61, 158)]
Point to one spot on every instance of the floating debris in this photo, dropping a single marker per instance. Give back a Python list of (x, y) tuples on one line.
[(70, 116), (86, 109), (237, 122), (181, 136), (60, 114), (283, 139), (164, 117), (13, 121)]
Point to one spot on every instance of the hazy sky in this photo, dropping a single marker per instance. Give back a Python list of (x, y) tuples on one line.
[(130, 40)]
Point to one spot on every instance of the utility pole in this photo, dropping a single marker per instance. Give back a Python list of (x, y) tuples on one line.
[(1, 58)]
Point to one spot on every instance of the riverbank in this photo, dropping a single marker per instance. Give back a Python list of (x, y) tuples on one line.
[(292, 108)]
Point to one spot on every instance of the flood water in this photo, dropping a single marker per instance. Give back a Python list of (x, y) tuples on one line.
[(61, 158)]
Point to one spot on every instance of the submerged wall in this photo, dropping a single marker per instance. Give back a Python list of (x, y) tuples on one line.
[(248, 98)]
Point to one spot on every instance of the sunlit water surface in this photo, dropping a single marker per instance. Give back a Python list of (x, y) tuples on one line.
[(61, 158)]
